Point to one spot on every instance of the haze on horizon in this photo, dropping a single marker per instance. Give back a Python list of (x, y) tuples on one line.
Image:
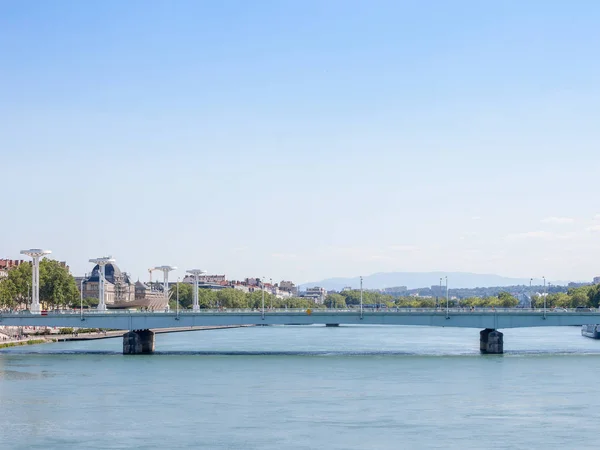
[(303, 140)]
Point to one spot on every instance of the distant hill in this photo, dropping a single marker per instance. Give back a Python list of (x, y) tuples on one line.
[(414, 280)]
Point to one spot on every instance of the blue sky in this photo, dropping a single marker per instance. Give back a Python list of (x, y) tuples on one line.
[(303, 139)]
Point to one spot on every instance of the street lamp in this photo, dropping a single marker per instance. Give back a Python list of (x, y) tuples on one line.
[(271, 297), (437, 301), (361, 297), (447, 300), (177, 296), (530, 294), (545, 295), (263, 297), (81, 296)]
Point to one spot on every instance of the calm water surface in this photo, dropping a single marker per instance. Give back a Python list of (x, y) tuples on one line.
[(306, 388)]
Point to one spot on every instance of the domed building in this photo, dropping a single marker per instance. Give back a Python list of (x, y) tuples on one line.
[(121, 292)]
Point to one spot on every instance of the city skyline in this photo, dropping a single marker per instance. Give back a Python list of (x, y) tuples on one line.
[(303, 140)]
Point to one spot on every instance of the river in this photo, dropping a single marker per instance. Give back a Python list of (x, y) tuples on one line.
[(352, 387)]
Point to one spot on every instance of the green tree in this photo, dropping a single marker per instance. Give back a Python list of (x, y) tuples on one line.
[(254, 300), (505, 300), (186, 295), (352, 297), (580, 296), (57, 285), (8, 294), (594, 296), (17, 286), (335, 301), (207, 299), (231, 298)]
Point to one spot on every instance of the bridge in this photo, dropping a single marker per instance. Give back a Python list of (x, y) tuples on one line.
[(140, 338)]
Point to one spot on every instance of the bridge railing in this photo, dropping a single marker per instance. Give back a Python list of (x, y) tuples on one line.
[(349, 310)]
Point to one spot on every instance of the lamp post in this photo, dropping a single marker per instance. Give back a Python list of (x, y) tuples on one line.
[(81, 297), (35, 254), (271, 297), (530, 294), (177, 288), (447, 300), (545, 295), (263, 297), (440, 293), (361, 297)]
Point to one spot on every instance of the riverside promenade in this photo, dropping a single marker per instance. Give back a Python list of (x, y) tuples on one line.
[(7, 339)]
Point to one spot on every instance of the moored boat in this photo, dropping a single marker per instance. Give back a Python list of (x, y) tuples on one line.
[(591, 331)]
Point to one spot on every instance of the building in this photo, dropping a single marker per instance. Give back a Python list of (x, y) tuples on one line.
[(213, 279), (121, 292), (289, 287), (211, 282), (396, 290), (317, 294), (7, 264), (252, 282)]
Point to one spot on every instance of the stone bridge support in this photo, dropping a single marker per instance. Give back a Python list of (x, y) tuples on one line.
[(491, 341), (138, 342)]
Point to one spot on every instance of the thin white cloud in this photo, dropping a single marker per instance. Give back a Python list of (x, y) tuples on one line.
[(597, 217), (593, 229), (543, 235), (476, 218), (558, 220), (284, 256), (380, 257), (403, 248)]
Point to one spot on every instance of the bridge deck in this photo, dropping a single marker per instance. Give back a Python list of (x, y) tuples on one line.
[(132, 320)]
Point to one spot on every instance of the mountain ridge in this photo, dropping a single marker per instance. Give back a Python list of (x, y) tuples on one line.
[(414, 280)]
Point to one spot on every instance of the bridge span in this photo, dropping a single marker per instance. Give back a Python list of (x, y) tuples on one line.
[(140, 338)]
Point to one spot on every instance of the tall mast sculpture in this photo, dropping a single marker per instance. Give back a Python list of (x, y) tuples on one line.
[(165, 270), (35, 254), (102, 262), (196, 273)]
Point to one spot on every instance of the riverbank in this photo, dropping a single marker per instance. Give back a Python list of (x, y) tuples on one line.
[(119, 333), (46, 339), (17, 343)]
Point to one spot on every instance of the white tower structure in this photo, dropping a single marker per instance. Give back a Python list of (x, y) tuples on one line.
[(35, 254), (102, 262), (165, 270), (196, 273)]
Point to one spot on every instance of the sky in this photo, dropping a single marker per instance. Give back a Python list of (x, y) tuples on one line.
[(303, 139)]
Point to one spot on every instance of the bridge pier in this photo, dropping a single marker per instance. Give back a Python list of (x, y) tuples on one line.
[(138, 342), (491, 341)]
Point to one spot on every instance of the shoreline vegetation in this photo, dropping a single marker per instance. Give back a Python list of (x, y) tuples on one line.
[(25, 342)]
